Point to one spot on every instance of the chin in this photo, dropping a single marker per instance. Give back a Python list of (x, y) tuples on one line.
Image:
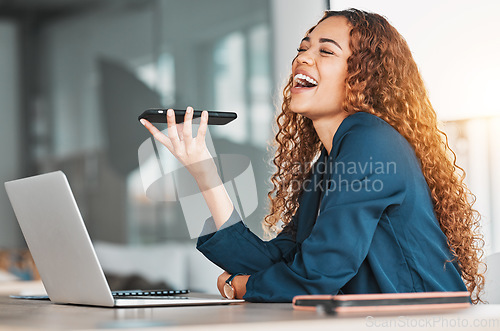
[(298, 111), (302, 110)]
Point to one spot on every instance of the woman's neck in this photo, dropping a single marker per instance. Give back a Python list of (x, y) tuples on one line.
[(327, 127)]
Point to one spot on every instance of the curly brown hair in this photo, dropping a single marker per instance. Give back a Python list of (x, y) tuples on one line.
[(383, 79)]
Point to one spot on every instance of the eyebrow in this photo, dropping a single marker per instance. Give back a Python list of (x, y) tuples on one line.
[(324, 40)]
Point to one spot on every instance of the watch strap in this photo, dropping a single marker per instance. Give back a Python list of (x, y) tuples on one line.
[(230, 279)]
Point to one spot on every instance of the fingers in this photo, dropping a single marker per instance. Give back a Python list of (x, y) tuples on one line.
[(157, 134), (187, 130), (180, 136), (202, 130), (220, 285), (172, 129), (221, 280)]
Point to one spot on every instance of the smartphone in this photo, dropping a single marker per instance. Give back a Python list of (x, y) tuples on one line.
[(159, 115), (380, 303)]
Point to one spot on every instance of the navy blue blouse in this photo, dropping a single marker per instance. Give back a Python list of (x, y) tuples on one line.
[(365, 224)]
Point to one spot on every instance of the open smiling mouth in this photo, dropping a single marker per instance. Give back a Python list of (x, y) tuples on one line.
[(303, 81)]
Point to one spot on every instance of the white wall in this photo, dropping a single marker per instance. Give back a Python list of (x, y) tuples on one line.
[(455, 44), (9, 123)]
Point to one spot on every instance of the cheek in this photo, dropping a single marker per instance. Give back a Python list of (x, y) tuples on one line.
[(334, 74), (335, 87), (338, 80)]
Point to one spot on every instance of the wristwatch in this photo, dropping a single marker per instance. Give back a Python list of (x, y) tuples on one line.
[(229, 291)]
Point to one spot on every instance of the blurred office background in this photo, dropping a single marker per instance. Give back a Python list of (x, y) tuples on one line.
[(75, 74)]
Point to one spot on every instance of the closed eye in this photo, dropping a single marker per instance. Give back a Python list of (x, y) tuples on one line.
[(324, 51)]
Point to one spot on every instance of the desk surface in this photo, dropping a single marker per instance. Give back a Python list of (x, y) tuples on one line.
[(31, 314)]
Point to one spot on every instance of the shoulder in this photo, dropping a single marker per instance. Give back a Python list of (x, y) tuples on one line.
[(364, 132), (366, 125)]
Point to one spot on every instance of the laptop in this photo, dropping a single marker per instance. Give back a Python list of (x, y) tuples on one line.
[(62, 250)]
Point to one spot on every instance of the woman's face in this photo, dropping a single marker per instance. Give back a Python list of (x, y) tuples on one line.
[(320, 69)]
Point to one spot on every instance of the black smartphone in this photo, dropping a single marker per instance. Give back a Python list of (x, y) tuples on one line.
[(159, 115)]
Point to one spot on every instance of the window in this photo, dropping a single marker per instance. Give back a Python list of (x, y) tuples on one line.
[(242, 83)]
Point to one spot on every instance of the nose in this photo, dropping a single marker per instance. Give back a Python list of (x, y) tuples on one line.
[(305, 57)]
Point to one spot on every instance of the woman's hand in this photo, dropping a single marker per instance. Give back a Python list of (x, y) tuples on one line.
[(191, 152), (194, 155), (239, 284)]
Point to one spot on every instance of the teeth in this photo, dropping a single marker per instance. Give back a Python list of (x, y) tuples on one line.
[(306, 78)]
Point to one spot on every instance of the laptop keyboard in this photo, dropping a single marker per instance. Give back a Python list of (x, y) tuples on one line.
[(164, 294)]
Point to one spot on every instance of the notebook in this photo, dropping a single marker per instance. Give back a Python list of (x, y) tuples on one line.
[(62, 250), (383, 302)]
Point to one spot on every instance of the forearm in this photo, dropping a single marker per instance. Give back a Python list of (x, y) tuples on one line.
[(217, 199)]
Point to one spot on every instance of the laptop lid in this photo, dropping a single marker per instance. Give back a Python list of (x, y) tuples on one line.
[(58, 240)]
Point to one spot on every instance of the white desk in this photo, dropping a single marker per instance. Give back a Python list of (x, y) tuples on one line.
[(28, 315)]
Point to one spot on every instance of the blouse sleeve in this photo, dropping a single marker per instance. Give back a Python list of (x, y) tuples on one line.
[(236, 249), (359, 190)]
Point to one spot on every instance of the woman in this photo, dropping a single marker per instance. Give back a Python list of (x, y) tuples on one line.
[(365, 187)]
